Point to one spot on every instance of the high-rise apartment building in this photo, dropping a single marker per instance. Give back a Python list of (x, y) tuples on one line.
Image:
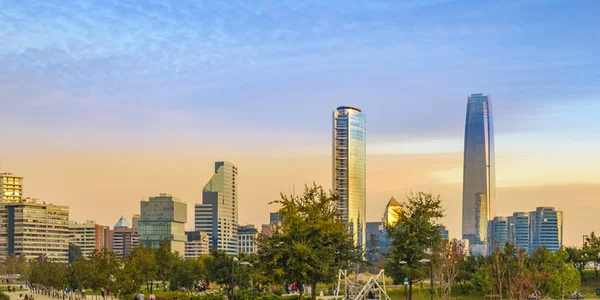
[(246, 236), (103, 236), (35, 229), (135, 219), (478, 174), (497, 234), (11, 188), (390, 216), (350, 169), (546, 228), (518, 230), (83, 235), (196, 244), (124, 238), (163, 217), (217, 216)]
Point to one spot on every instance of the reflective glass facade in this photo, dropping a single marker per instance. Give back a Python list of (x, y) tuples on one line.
[(546, 228), (497, 233), (479, 186), (163, 217), (518, 230), (349, 169)]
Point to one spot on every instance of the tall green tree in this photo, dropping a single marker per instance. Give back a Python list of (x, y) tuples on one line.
[(591, 249), (415, 233), (312, 244), (165, 258), (577, 257)]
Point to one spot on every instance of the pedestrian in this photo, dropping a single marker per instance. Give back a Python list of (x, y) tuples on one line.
[(26, 297), (141, 296), (136, 296), (152, 297), (102, 290), (20, 297)]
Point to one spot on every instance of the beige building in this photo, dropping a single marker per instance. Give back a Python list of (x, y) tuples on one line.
[(11, 188), (196, 244), (83, 235), (34, 229)]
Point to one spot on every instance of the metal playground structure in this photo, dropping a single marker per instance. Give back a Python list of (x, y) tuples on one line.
[(361, 287)]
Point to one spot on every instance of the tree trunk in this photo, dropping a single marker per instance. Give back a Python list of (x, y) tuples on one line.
[(410, 285), (462, 287), (313, 290), (300, 291)]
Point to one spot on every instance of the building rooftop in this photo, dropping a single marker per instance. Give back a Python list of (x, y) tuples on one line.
[(122, 223), (349, 107)]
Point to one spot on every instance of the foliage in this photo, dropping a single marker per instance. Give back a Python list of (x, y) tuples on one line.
[(415, 233), (311, 244), (74, 252), (448, 256)]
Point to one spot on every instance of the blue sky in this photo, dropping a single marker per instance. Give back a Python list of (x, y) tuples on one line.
[(408, 64), (223, 77)]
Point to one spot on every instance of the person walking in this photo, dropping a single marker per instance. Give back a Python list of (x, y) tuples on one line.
[(141, 296), (152, 297)]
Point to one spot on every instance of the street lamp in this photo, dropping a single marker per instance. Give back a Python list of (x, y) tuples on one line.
[(427, 261), (233, 276), (247, 264), (402, 263)]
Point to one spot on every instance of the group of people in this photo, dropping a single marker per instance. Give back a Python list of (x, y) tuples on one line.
[(27, 297), (140, 296)]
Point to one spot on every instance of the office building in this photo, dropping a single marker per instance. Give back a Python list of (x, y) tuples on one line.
[(390, 216), (546, 228), (217, 216), (124, 238), (36, 229), (196, 244), (163, 217), (444, 233), (135, 218), (103, 236), (83, 235), (11, 188), (274, 223), (378, 243), (274, 218), (518, 230), (350, 169), (246, 236), (478, 174), (497, 234)]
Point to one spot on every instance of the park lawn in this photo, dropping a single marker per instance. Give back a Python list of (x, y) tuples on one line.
[(590, 284)]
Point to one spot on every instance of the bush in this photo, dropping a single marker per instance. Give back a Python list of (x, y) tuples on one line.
[(4, 296)]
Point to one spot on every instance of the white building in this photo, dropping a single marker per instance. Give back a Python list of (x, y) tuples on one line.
[(83, 235), (196, 245), (246, 236)]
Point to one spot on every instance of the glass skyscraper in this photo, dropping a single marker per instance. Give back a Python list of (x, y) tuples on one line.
[(163, 217), (497, 234), (478, 181), (349, 169), (217, 216), (546, 228), (518, 230)]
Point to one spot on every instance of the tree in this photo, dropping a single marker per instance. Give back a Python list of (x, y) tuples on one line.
[(578, 258), (74, 252), (448, 257), (416, 232), (219, 266), (140, 268), (564, 277), (104, 265), (591, 249), (312, 244), (164, 260)]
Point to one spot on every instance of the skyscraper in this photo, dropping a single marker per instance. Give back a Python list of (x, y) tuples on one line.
[(163, 217), (497, 234), (124, 238), (217, 216), (546, 228), (349, 169), (390, 216), (11, 188), (518, 230), (479, 180)]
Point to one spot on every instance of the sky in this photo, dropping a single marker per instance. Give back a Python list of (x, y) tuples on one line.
[(106, 103)]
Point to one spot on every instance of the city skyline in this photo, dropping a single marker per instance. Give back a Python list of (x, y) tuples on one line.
[(89, 91)]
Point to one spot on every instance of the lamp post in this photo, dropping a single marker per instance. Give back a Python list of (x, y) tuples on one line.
[(402, 263), (427, 261), (247, 264), (233, 276)]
